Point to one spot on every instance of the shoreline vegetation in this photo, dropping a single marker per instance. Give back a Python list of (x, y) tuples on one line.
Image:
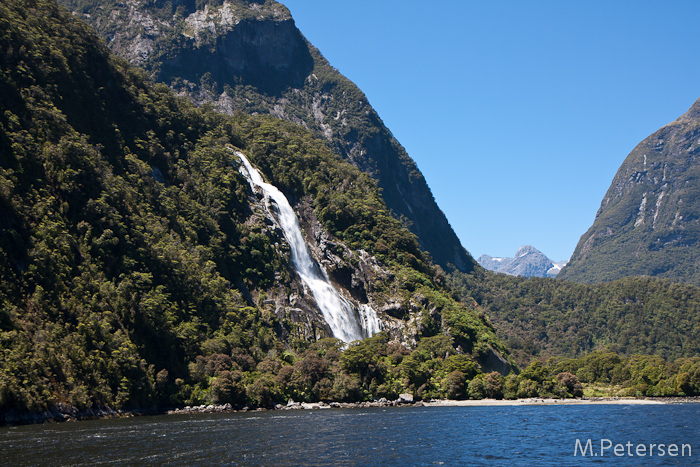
[(63, 413), (598, 378), (139, 272)]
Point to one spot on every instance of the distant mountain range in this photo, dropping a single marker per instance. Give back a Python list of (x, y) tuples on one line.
[(648, 223), (527, 262)]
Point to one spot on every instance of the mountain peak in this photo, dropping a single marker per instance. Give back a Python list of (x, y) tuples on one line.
[(526, 250), (528, 262), (647, 224)]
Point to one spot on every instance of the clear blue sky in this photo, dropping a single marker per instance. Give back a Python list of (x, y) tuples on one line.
[(518, 113)]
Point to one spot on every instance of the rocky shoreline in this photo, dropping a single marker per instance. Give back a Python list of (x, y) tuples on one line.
[(404, 400), (66, 413)]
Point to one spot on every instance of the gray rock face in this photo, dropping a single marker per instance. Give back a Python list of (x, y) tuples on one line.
[(528, 262), (358, 276), (250, 57), (648, 223)]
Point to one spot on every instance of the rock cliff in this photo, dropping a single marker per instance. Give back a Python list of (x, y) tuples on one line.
[(250, 57), (648, 223)]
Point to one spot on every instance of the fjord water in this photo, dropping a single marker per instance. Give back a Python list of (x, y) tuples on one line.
[(346, 322), (450, 436)]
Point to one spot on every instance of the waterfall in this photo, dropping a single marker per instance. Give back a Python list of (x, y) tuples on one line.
[(346, 322)]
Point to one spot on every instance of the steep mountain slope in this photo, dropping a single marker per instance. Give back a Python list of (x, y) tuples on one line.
[(527, 262), (139, 269), (249, 56), (649, 220)]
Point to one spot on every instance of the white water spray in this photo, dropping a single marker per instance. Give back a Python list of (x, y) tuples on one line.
[(346, 322)]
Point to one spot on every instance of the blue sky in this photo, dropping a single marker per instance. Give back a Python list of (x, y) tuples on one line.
[(518, 113)]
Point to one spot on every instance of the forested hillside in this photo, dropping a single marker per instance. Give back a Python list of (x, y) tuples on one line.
[(137, 268), (539, 318), (250, 57)]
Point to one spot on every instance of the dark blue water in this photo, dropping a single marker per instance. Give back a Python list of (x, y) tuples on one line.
[(451, 436)]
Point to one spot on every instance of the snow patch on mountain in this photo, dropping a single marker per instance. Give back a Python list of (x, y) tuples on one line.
[(528, 262)]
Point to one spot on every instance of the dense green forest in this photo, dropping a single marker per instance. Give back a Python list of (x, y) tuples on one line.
[(542, 317), (610, 374), (133, 269), (250, 57), (136, 272)]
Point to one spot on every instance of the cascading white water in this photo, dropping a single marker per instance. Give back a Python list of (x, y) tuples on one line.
[(346, 322)]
